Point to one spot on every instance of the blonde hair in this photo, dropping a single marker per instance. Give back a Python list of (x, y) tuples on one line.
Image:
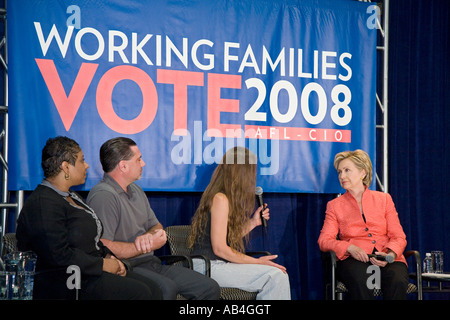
[(235, 177), (361, 160)]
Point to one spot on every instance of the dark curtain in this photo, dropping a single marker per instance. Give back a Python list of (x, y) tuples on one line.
[(419, 156), (419, 120)]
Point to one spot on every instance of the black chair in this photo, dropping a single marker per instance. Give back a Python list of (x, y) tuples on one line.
[(177, 238), (9, 243), (338, 289)]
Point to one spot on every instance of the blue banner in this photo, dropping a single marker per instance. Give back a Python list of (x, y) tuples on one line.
[(294, 81)]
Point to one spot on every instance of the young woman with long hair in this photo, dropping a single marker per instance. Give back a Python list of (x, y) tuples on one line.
[(222, 223)]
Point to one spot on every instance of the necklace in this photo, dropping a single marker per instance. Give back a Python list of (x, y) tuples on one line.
[(85, 207)]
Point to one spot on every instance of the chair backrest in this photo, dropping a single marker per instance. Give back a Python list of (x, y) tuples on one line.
[(177, 238), (9, 243)]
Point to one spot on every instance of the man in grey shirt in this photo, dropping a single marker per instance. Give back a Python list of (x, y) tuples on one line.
[(131, 229)]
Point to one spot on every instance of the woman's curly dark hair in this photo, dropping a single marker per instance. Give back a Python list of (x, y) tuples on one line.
[(55, 152)]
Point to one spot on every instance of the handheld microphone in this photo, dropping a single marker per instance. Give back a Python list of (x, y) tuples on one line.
[(389, 258), (259, 197)]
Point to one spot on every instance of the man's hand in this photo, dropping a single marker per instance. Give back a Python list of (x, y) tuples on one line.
[(159, 238), (150, 241), (144, 243)]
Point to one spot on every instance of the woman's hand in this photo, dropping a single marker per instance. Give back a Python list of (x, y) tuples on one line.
[(357, 253), (267, 260), (256, 218), (113, 265), (381, 263)]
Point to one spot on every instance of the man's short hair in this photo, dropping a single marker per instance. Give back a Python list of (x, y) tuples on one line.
[(115, 150)]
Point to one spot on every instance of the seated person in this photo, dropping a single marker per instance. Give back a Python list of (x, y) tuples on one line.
[(365, 222), (63, 231), (132, 230), (222, 221)]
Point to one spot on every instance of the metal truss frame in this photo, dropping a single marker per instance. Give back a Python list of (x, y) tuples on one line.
[(383, 49), (381, 172)]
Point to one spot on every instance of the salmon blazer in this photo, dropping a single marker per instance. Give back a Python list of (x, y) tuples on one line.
[(344, 225)]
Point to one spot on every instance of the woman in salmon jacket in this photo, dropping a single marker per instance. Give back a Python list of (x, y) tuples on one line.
[(360, 223)]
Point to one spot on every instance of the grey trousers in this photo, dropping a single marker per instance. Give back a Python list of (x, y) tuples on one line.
[(270, 282), (173, 280)]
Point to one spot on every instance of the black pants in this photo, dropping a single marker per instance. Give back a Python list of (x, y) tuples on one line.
[(173, 280), (53, 285), (113, 287), (354, 274)]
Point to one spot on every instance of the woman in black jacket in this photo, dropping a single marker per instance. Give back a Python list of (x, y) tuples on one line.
[(63, 231)]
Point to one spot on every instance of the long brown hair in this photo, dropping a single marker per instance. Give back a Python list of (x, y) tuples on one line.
[(235, 177)]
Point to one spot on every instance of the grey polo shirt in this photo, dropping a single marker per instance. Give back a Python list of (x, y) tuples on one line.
[(124, 215)]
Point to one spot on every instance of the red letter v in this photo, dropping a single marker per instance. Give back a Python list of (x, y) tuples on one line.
[(67, 106)]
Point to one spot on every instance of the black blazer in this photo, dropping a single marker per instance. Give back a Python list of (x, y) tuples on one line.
[(61, 235)]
